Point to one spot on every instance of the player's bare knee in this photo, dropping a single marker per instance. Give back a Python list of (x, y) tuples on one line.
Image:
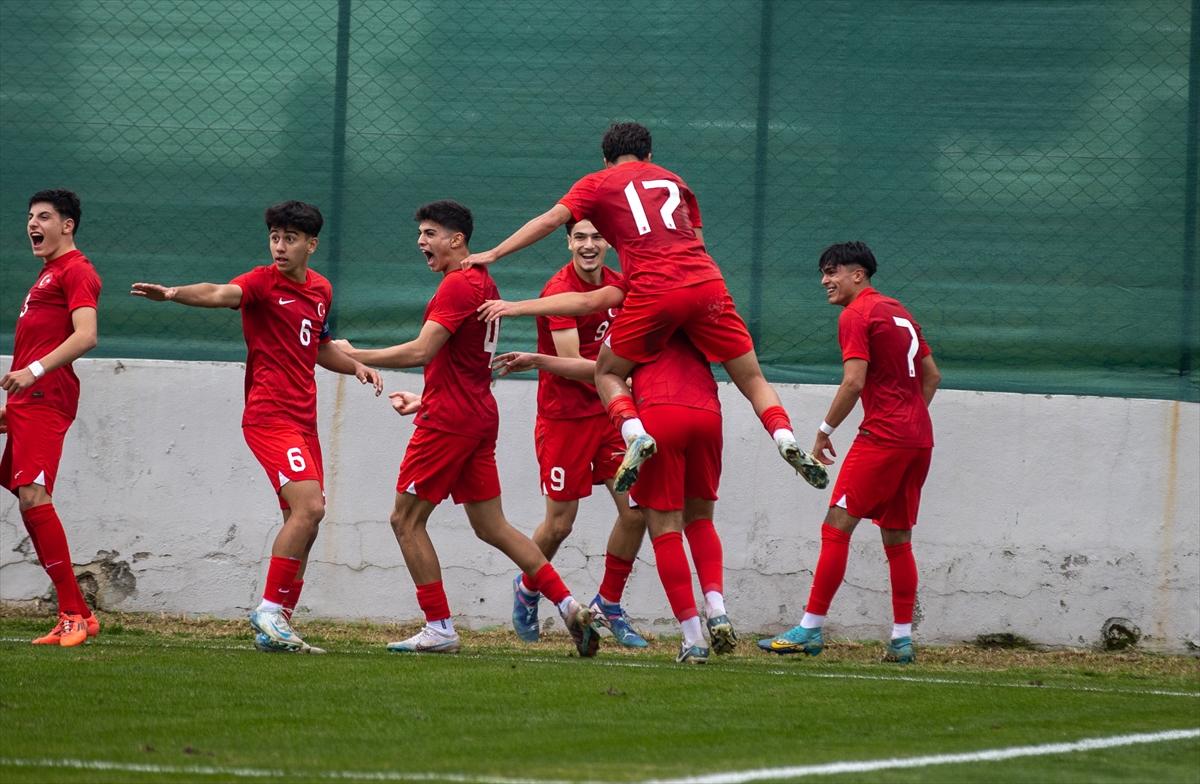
[(31, 495), (840, 519)]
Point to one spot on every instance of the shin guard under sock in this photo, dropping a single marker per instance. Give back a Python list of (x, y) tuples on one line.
[(831, 568), (676, 578)]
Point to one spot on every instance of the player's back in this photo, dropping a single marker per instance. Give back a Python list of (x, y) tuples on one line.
[(649, 215), (680, 376), (881, 330)]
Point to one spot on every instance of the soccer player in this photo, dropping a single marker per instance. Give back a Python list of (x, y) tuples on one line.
[(55, 327), (653, 220), (676, 394), (886, 362), (285, 319), (452, 452), (576, 446)]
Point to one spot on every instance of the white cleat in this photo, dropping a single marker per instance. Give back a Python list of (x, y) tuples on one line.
[(638, 451), (274, 626), (427, 641), (263, 643), (805, 464)]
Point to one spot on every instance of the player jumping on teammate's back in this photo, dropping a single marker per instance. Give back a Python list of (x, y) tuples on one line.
[(888, 364), (452, 453), (285, 318), (55, 326), (652, 219)]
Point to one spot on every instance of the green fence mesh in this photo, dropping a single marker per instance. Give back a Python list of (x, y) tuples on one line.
[(1024, 171)]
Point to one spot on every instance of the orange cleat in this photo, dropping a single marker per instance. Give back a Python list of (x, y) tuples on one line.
[(55, 636), (74, 631), (93, 625)]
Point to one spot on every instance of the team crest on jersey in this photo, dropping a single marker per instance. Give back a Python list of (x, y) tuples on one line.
[(320, 310), (45, 281)]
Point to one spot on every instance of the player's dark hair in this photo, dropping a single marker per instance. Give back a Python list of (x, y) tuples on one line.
[(295, 215), (570, 224), (628, 138), (66, 204), (449, 215), (848, 254)]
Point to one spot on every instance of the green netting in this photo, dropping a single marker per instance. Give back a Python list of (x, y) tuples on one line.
[(1024, 171)]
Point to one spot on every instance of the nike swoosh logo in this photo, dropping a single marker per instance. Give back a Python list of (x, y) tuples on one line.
[(283, 301)]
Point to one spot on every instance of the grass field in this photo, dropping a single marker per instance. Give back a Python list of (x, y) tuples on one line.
[(176, 699)]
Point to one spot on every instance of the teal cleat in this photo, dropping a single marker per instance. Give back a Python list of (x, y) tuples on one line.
[(721, 632), (692, 654), (900, 651), (638, 451), (525, 613), (263, 644), (613, 618), (795, 640), (805, 464)]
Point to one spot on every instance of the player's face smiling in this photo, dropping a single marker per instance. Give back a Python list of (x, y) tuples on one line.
[(587, 247), (841, 283), (290, 250), (440, 245), (49, 234)]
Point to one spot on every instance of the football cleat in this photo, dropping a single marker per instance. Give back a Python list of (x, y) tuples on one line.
[(613, 618), (795, 640), (692, 654), (525, 613), (721, 632), (900, 651), (263, 643), (93, 625), (583, 632), (805, 464), (273, 624), (638, 451), (71, 630), (427, 641)]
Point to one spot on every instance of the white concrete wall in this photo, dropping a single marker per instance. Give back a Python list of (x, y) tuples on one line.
[(1043, 516)]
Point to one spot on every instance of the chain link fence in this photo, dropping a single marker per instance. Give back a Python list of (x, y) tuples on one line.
[(1026, 172)]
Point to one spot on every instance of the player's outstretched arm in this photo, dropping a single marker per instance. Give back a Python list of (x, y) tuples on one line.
[(518, 361), (82, 339), (415, 353), (405, 402), (537, 229), (931, 378), (569, 303), (331, 358), (198, 295), (854, 376)]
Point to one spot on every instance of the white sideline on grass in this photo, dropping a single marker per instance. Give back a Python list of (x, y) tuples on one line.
[(736, 777)]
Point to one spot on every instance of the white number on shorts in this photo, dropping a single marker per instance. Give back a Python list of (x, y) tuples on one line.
[(639, 212), (491, 339), (296, 459), (904, 323), (602, 330), (305, 332), (558, 478)]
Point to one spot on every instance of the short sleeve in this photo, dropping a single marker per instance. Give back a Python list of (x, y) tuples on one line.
[(556, 323), (854, 335), (454, 302), (81, 286), (693, 207), (254, 285), (326, 336), (581, 199), (922, 347)]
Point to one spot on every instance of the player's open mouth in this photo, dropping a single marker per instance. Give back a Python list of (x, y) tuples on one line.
[(428, 256), (37, 239), (587, 255)]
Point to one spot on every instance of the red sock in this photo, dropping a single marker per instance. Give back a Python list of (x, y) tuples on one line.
[(616, 574), (774, 418), (291, 599), (527, 583), (675, 575), (707, 555), (620, 409), (281, 574), (903, 568), (432, 599), (50, 543), (550, 585), (831, 568)]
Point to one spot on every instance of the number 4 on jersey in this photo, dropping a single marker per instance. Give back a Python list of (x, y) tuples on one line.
[(639, 212)]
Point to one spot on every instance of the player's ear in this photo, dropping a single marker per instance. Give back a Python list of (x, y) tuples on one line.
[(69, 226), (313, 242)]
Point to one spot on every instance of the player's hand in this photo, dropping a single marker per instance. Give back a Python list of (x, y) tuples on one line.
[(369, 376), (343, 345), (152, 291), (3, 419), (821, 446), (492, 309), (405, 403), (481, 259), (17, 380), (514, 362)]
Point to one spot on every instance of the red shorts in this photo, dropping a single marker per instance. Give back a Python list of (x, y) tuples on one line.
[(882, 483), (33, 446), (574, 454), (688, 461), (704, 312), (286, 454), (437, 465)]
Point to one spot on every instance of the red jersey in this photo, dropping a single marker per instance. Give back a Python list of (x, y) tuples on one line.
[(564, 398), (648, 215), (67, 283), (458, 381), (878, 329), (681, 376), (284, 322)]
